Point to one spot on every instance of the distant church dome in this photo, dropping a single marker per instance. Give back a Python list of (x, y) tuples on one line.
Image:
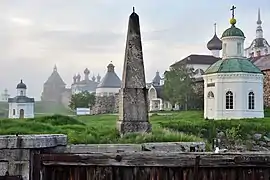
[(215, 43), (21, 85), (110, 80)]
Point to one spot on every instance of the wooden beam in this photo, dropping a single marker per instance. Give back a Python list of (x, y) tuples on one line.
[(159, 159)]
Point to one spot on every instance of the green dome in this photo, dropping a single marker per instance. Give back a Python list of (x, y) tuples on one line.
[(232, 65), (233, 31)]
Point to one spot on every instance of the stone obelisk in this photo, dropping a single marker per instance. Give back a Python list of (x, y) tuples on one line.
[(133, 100)]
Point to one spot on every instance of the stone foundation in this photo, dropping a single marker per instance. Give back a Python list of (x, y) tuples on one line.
[(114, 148), (131, 127), (16, 152), (106, 104)]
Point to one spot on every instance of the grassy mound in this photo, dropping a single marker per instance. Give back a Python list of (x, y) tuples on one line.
[(172, 127), (91, 129), (194, 124)]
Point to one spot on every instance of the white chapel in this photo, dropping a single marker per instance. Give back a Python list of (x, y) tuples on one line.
[(233, 86), (21, 106)]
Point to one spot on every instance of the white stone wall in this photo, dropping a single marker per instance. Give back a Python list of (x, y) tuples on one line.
[(106, 91), (240, 84), (230, 49), (21, 92), (27, 107), (75, 89), (215, 53)]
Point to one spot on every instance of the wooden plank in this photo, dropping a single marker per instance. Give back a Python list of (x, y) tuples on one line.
[(36, 166), (158, 159)]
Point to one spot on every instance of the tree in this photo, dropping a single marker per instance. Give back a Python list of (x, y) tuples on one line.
[(178, 85), (82, 100)]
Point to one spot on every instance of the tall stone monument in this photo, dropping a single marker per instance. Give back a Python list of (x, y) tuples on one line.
[(133, 98)]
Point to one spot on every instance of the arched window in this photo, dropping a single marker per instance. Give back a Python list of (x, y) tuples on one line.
[(152, 93), (229, 100), (21, 93), (251, 103), (210, 94)]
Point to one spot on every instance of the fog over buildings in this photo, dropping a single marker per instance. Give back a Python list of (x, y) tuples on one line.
[(37, 34)]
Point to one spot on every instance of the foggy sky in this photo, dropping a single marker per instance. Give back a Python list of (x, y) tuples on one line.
[(37, 34)]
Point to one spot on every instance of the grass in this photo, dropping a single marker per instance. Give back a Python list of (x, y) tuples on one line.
[(91, 129), (174, 127)]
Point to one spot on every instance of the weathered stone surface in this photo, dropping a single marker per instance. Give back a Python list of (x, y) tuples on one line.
[(130, 127), (106, 104), (134, 105), (19, 168), (257, 136), (88, 148), (15, 154), (133, 100), (133, 72), (32, 141), (175, 146), (166, 146), (266, 88), (17, 151), (3, 167)]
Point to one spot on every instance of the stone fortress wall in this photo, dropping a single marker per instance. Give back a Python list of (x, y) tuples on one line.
[(106, 104)]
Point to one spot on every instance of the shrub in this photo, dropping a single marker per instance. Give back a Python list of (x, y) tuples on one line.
[(57, 120)]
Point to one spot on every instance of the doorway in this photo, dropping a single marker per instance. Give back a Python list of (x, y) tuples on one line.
[(21, 113)]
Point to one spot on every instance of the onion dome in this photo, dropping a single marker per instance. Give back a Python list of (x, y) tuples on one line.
[(215, 43), (21, 85), (86, 71), (93, 78)]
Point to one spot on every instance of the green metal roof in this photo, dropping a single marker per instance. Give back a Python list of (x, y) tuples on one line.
[(233, 31), (231, 65)]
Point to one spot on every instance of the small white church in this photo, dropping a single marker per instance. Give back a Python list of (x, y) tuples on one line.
[(233, 86), (21, 106)]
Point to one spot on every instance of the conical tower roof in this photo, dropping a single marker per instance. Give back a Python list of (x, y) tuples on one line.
[(110, 80), (55, 78)]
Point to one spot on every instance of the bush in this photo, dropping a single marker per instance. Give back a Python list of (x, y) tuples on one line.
[(56, 120)]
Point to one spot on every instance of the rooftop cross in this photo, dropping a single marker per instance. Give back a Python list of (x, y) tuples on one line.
[(215, 27), (232, 9), (133, 9)]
